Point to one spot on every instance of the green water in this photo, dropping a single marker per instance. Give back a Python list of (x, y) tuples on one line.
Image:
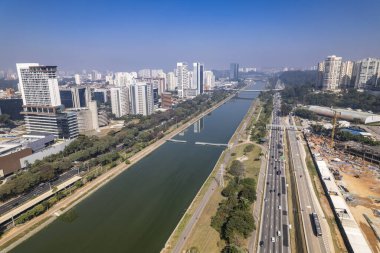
[(138, 210)]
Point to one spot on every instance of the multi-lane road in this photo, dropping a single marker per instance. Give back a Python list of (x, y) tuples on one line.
[(307, 199), (41, 189), (274, 226)]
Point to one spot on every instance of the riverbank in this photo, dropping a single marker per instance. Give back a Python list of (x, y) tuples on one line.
[(205, 203), (12, 238)]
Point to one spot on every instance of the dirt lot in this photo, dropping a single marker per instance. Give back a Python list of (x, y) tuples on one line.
[(362, 182)]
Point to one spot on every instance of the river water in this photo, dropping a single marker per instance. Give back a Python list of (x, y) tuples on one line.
[(138, 210)]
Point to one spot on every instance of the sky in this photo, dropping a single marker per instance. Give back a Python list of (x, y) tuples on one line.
[(131, 35)]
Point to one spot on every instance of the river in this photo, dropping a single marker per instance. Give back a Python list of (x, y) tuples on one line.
[(138, 210)]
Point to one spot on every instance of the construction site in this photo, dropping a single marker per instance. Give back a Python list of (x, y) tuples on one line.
[(350, 174)]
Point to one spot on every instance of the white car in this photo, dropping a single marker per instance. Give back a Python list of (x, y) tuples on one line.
[(273, 239), (279, 207), (279, 233)]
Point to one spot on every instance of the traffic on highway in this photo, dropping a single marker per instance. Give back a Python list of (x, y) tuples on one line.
[(274, 229), (40, 189)]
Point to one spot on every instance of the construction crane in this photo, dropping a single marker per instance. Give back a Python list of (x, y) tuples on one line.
[(333, 127)]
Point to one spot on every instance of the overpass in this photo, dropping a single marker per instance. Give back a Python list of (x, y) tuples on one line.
[(255, 90)]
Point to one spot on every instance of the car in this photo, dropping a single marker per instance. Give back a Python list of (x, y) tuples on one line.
[(279, 194), (279, 233), (279, 207), (261, 243), (273, 239)]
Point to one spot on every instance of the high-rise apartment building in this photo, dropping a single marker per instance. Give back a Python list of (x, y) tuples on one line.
[(144, 73), (198, 71), (320, 70), (209, 80), (331, 74), (77, 79), (123, 79), (142, 101), (157, 73), (346, 74), (42, 103), (120, 102), (234, 72), (367, 73), (171, 81), (182, 74)]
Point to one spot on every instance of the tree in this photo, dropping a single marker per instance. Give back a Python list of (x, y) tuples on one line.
[(248, 193), (240, 222), (232, 249), (248, 148), (237, 169), (230, 189)]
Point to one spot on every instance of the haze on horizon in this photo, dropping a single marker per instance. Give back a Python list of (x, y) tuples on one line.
[(130, 35)]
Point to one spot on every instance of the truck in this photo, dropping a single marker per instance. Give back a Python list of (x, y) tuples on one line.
[(317, 225)]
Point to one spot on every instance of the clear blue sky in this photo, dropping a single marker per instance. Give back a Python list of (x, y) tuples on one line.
[(129, 35)]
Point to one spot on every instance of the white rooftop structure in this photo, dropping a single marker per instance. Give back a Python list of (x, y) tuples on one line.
[(352, 230), (350, 115)]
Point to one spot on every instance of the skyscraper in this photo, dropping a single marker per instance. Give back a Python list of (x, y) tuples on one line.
[(331, 74), (198, 77), (182, 78), (42, 103), (142, 98), (234, 72), (120, 101)]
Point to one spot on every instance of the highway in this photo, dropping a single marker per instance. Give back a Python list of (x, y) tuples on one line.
[(274, 226), (307, 198), (42, 188)]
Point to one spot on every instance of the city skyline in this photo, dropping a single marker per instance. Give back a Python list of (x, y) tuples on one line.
[(130, 36)]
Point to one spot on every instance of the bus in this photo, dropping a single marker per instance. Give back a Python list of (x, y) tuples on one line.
[(317, 225)]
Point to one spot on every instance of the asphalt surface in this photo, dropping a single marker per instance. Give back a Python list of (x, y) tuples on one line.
[(274, 229), (307, 204), (41, 189)]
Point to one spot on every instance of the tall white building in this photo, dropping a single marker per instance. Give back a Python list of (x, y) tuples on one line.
[(198, 71), (123, 79), (142, 98), (157, 73), (209, 80), (144, 73), (96, 75), (368, 72), (42, 103), (109, 79), (182, 74), (77, 79), (171, 81), (331, 74), (120, 103), (346, 74), (320, 70)]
